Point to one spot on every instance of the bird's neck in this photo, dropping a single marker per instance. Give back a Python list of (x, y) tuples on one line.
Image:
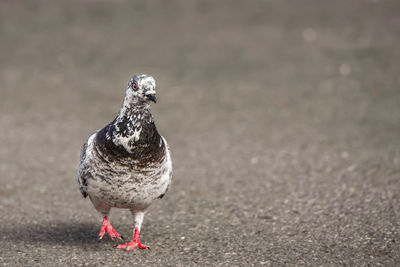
[(131, 134), (136, 112), (131, 120)]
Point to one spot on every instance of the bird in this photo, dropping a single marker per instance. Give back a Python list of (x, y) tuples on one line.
[(127, 164)]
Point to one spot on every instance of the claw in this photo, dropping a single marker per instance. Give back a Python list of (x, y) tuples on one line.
[(132, 245), (109, 229), (135, 243)]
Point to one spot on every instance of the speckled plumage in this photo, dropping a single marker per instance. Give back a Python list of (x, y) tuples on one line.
[(127, 163)]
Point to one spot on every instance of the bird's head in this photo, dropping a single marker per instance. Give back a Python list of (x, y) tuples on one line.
[(141, 89)]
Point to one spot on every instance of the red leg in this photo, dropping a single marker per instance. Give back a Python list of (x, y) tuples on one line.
[(135, 242), (110, 230)]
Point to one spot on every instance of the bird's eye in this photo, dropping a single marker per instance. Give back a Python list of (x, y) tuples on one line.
[(134, 86)]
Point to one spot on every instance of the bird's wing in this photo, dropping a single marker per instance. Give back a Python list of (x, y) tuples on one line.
[(84, 165), (168, 166), (82, 173)]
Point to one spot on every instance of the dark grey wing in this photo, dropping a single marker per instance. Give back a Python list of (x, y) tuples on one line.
[(82, 171)]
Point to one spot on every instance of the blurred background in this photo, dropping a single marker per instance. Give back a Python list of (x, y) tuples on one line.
[(283, 118)]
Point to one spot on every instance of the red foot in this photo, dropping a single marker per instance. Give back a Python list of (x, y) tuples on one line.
[(110, 230), (135, 242)]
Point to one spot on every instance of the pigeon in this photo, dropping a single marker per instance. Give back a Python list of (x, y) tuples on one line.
[(127, 164)]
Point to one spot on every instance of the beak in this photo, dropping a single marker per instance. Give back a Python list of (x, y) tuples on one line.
[(152, 97)]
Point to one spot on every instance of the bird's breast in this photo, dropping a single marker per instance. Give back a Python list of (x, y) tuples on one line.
[(125, 183)]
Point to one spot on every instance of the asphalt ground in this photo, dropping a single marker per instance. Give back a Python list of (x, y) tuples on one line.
[(283, 118)]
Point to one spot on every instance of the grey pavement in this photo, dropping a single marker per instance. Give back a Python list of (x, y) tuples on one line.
[(283, 119)]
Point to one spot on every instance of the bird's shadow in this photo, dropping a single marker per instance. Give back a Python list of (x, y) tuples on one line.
[(74, 234)]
